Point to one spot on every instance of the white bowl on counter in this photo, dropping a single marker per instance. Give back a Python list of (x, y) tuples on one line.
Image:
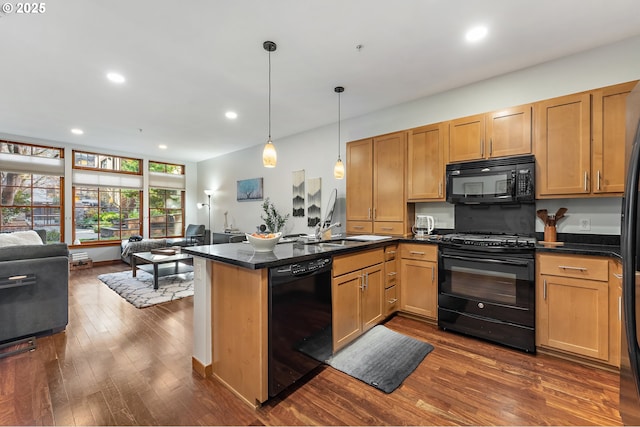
[(264, 243)]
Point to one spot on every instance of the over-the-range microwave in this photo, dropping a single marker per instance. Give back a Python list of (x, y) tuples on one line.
[(500, 180)]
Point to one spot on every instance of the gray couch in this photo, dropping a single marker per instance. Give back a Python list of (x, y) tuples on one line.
[(34, 290)]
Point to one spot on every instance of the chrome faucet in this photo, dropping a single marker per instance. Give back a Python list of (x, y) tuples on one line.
[(322, 229)]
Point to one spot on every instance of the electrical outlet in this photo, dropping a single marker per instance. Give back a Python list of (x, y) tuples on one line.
[(585, 224)]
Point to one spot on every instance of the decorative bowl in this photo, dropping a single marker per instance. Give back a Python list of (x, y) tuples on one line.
[(263, 242)]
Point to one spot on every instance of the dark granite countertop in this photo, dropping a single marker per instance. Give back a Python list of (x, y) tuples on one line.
[(243, 255)]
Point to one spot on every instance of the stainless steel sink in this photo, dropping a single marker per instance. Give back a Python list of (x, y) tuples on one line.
[(335, 243)]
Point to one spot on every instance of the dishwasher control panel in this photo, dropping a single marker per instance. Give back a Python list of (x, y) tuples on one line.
[(302, 267)]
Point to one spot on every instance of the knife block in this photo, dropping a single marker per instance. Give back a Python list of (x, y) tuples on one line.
[(550, 233)]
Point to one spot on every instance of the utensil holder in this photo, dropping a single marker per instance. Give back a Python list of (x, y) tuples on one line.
[(550, 233)]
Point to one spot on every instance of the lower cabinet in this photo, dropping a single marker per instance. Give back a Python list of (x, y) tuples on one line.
[(391, 280), (574, 308), (419, 279), (357, 295)]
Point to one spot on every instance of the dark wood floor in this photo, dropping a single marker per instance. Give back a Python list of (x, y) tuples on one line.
[(118, 365)]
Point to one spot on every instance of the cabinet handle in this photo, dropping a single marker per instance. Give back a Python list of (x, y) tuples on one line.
[(386, 228), (358, 227), (392, 273), (361, 286), (369, 214), (618, 276), (374, 213), (620, 308), (392, 301), (416, 253), (598, 181), (490, 146), (366, 280), (433, 274), (482, 148), (544, 289), (566, 267), (440, 189), (585, 181)]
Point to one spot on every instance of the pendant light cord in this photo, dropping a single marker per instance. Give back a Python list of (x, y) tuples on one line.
[(269, 95), (338, 125)]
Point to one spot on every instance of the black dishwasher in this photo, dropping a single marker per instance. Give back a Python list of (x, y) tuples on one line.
[(299, 320)]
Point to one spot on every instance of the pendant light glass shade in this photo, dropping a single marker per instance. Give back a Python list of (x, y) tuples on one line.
[(269, 157), (338, 169)]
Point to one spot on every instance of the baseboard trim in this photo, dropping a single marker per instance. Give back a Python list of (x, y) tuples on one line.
[(200, 368)]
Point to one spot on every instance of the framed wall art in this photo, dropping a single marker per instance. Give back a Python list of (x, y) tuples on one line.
[(249, 189)]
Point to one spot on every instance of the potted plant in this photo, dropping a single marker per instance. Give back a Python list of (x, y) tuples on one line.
[(272, 218)]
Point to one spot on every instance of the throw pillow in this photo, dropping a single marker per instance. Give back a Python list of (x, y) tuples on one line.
[(29, 237)]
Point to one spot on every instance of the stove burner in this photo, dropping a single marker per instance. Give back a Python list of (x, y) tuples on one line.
[(492, 240)]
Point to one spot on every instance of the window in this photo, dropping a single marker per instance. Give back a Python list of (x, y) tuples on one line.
[(166, 199), (31, 188), (166, 213), (107, 194), (106, 214)]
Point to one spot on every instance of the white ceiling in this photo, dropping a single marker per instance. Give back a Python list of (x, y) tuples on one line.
[(187, 62)]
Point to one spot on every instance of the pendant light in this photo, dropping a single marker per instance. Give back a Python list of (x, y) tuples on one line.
[(338, 169), (269, 156)]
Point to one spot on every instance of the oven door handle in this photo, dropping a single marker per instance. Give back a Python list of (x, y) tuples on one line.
[(493, 261)]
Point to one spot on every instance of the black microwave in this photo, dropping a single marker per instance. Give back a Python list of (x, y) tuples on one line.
[(500, 180)]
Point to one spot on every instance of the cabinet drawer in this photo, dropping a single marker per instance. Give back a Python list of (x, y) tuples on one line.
[(390, 300), (359, 227), (389, 228), (390, 252), (390, 273), (348, 263), (574, 266), (419, 251)]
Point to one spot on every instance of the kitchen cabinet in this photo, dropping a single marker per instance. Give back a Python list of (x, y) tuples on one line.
[(572, 309), (579, 143), (426, 162), (376, 191), (609, 108), (615, 311), (505, 132), (357, 291), (391, 280), (419, 279)]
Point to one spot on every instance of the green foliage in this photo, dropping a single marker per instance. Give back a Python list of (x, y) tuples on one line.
[(272, 218)]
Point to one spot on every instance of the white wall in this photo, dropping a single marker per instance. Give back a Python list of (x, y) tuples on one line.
[(315, 150)]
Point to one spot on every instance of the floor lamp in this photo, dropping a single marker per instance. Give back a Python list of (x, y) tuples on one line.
[(208, 205)]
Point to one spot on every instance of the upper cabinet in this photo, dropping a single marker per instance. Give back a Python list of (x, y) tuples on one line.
[(376, 194), (426, 161), (609, 107), (500, 133), (579, 143)]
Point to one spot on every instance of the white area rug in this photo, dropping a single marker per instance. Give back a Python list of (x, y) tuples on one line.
[(139, 290)]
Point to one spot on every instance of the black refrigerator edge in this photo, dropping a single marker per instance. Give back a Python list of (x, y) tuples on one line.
[(630, 344)]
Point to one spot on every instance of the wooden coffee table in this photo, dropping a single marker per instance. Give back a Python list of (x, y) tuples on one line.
[(161, 265)]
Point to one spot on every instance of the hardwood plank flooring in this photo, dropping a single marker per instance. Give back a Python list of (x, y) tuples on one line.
[(118, 365)]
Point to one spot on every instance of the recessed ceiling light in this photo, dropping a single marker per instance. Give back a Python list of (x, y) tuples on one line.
[(476, 33), (231, 115), (115, 77), (162, 147), (77, 131)]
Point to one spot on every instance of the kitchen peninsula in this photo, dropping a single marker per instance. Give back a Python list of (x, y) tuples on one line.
[(231, 308)]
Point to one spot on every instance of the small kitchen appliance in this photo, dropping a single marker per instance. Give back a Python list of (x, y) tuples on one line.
[(424, 226)]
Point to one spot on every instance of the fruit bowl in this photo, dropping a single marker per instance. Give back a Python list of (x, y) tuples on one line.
[(263, 242)]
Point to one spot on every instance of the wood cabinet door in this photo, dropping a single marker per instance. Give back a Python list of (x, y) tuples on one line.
[(419, 287), (509, 131), (345, 297), (389, 159), (575, 316), (563, 145), (609, 116), (372, 304), (615, 312), (425, 162), (466, 138), (359, 173)]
